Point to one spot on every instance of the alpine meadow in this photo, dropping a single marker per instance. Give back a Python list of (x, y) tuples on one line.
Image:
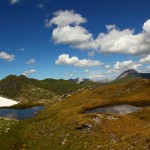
[(74, 75)]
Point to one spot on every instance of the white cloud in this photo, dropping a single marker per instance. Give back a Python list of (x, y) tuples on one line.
[(75, 61), (40, 5), (126, 65), (145, 59), (7, 57), (31, 61), (107, 66), (29, 72), (14, 1), (110, 71), (77, 36), (145, 69), (146, 26), (148, 68), (69, 31), (63, 18), (91, 53), (125, 41), (109, 27), (95, 77)]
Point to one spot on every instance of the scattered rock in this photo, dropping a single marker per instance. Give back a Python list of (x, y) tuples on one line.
[(110, 117), (84, 127), (96, 120)]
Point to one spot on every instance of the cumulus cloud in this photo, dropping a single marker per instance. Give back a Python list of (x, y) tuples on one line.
[(91, 53), (29, 72), (145, 59), (148, 68), (69, 31), (125, 41), (95, 77), (109, 27), (31, 61), (14, 1), (126, 65), (7, 57), (146, 26), (63, 18), (77, 36), (107, 66), (75, 61)]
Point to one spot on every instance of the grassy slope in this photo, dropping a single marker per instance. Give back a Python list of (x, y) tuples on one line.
[(23, 88), (62, 124), (58, 86)]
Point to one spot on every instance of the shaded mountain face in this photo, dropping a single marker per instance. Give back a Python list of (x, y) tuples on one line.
[(21, 87), (133, 73), (11, 85), (130, 72), (145, 75)]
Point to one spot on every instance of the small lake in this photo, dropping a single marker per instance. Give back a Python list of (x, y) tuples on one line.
[(20, 114), (116, 109)]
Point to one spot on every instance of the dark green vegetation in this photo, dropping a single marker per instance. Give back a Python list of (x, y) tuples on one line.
[(63, 125), (23, 88)]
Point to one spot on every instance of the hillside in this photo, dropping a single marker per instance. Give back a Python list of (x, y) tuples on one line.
[(63, 124), (145, 75), (133, 73), (23, 88)]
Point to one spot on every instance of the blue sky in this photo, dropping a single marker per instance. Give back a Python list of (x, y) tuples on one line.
[(95, 39)]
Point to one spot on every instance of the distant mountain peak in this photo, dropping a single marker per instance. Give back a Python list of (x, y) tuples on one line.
[(79, 80), (130, 72)]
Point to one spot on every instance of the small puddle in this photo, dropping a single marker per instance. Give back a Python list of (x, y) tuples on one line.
[(116, 109), (20, 114)]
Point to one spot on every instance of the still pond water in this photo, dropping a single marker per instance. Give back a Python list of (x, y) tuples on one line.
[(20, 114), (116, 109)]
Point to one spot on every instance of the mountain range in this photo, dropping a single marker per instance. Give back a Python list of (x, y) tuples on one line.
[(23, 88), (64, 125)]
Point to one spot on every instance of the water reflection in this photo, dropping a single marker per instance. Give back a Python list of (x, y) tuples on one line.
[(20, 114), (117, 109)]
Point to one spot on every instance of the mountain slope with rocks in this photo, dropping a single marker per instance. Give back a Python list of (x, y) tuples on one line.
[(133, 73), (64, 125), (23, 88)]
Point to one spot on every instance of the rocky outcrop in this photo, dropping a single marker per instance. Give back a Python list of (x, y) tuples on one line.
[(133, 73)]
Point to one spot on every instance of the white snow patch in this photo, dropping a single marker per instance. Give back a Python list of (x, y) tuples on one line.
[(7, 102)]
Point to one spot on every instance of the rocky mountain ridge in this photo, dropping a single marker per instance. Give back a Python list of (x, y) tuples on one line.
[(133, 73)]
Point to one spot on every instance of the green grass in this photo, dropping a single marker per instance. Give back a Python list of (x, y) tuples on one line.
[(23, 88), (62, 124)]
